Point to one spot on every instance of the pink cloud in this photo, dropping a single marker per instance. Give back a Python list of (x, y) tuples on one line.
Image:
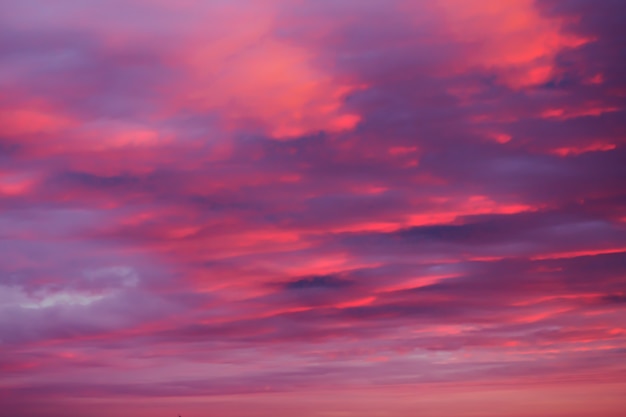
[(328, 208)]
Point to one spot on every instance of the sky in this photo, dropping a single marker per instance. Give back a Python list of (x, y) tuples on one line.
[(313, 208)]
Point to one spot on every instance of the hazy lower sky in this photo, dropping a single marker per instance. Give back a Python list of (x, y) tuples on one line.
[(312, 208)]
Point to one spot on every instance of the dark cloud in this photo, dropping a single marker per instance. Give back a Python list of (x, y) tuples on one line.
[(323, 282)]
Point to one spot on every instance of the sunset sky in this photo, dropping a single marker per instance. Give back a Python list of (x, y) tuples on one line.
[(313, 208)]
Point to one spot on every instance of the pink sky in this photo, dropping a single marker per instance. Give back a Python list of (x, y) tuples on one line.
[(314, 208)]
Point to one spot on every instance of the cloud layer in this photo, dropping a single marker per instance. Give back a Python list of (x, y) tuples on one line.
[(330, 208)]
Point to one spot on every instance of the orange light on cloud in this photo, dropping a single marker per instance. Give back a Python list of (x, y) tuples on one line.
[(472, 206), (29, 121), (564, 114), (510, 37), (447, 212), (417, 282), (12, 184), (577, 150), (577, 254), (501, 138), (251, 77), (402, 150)]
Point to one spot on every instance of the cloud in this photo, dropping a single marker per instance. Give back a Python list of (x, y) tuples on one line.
[(232, 203)]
